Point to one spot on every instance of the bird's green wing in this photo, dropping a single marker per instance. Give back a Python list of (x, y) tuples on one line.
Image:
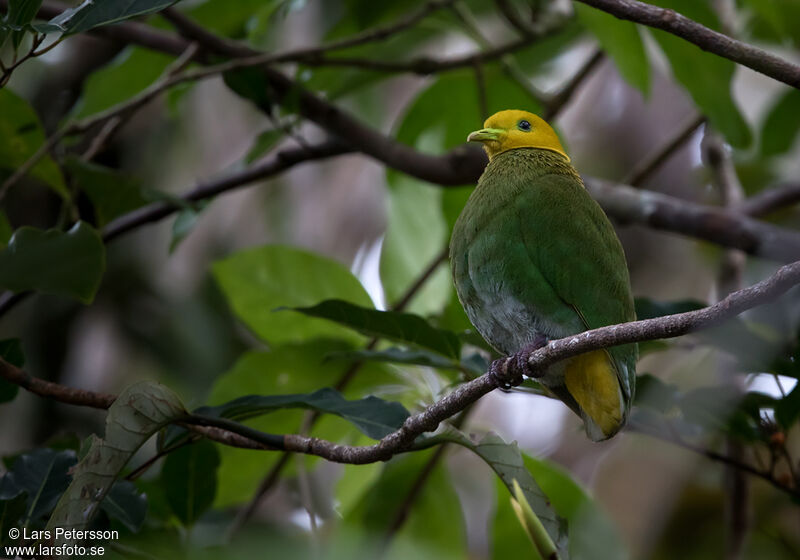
[(571, 242)]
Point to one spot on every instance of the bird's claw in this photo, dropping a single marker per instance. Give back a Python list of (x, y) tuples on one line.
[(499, 372), (509, 372)]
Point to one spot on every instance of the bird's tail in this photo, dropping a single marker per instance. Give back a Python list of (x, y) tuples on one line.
[(592, 381)]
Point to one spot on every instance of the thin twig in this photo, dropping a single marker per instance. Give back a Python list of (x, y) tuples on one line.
[(507, 62), (705, 38), (558, 101), (770, 200), (658, 157), (429, 419)]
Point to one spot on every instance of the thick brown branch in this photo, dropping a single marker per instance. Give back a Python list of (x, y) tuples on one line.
[(705, 38), (723, 227)]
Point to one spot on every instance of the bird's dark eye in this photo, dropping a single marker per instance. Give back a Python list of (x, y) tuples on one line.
[(524, 126)]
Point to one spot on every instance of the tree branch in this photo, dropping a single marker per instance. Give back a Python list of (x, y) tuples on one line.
[(770, 200), (655, 160), (721, 226), (429, 419), (402, 440), (707, 39)]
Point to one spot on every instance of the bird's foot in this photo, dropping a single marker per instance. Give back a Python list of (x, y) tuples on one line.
[(509, 372), (501, 371)]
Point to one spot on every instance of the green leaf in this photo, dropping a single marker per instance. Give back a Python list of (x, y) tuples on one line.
[(787, 410), (5, 230), (401, 327), (263, 143), (230, 18), (184, 224), (189, 478), (20, 14), (257, 281), (11, 511), (375, 417), (95, 13), (112, 193), (296, 368), (74, 261), (399, 356), (779, 131), (126, 504), (21, 135), (776, 21), (706, 76), (44, 475), (506, 461), (251, 84), (655, 393), (621, 41), (415, 235), (11, 352), (140, 411), (129, 73), (434, 523), (532, 525), (592, 535)]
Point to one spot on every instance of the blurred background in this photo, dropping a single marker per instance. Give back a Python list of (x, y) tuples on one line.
[(164, 313)]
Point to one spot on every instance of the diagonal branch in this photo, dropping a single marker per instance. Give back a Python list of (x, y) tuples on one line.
[(705, 38), (402, 440), (429, 419)]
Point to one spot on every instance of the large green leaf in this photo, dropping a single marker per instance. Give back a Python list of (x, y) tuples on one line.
[(296, 368), (621, 40), (126, 504), (5, 230), (401, 356), (706, 76), (54, 262), (189, 478), (20, 14), (257, 281), (776, 21), (375, 417), (780, 128), (394, 325), (231, 18), (415, 234), (12, 509), (506, 461), (434, 521), (21, 135), (130, 72), (140, 411), (592, 535), (111, 192), (94, 13), (43, 474)]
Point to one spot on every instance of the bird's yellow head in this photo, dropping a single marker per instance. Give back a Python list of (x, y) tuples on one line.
[(508, 130)]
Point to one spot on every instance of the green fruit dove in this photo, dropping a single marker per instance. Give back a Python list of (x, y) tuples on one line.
[(534, 258)]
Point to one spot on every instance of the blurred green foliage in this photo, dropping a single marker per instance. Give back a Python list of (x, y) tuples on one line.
[(276, 334)]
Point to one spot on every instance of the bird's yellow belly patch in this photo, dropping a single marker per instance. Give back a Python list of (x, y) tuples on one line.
[(592, 381)]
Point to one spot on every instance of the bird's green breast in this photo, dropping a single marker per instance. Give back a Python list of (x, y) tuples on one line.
[(532, 253)]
